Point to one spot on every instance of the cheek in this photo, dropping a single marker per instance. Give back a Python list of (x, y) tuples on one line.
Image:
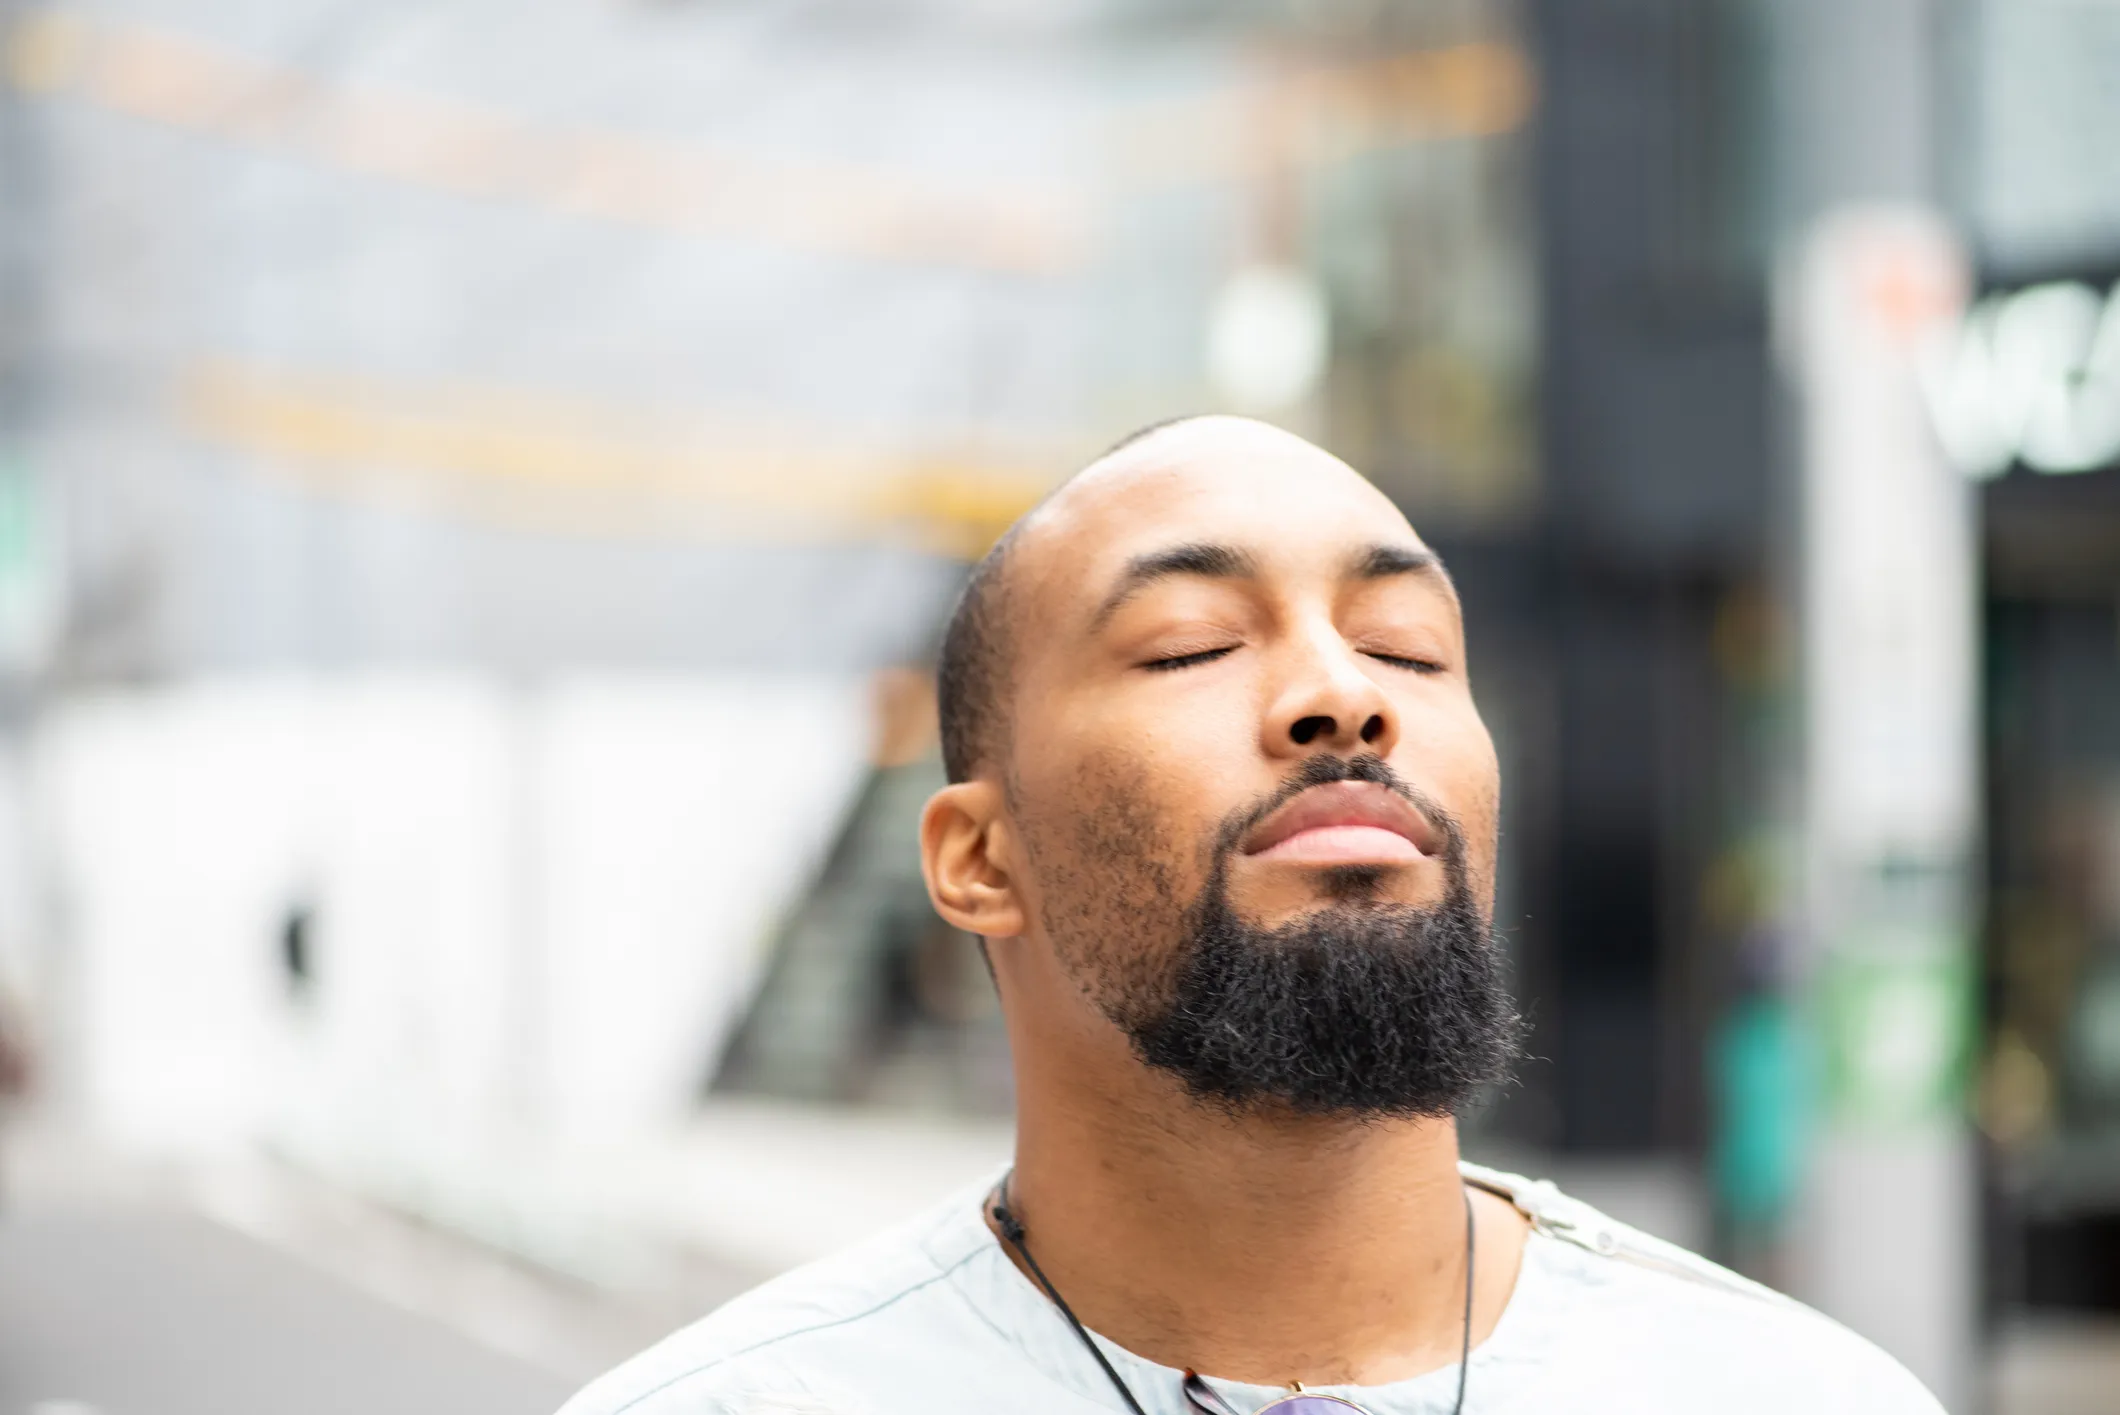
[(1104, 878), (1149, 778), (1453, 756), (1076, 798), (1483, 837), (1113, 828)]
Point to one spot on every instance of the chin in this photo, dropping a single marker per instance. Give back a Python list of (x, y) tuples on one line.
[(1349, 883), (1384, 886)]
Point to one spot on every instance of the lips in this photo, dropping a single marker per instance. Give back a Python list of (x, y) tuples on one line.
[(1346, 822)]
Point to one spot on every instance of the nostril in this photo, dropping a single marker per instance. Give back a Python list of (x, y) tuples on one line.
[(1373, 729), (1308, 729)]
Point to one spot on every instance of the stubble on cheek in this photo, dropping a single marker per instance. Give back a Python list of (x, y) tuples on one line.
[(1111, 881), (1480, 824)]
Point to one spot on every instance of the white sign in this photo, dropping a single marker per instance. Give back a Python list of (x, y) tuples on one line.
[(1889, 582), (2031, 376), (1889, 549)]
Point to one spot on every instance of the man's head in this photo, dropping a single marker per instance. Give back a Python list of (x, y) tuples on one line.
[(1214, 755)]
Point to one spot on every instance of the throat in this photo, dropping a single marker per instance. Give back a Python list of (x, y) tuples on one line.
[(1337, 1257)]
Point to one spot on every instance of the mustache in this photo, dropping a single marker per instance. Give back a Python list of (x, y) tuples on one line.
[(1324, 770)]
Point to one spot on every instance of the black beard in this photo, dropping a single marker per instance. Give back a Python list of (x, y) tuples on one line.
[(1360, 1009)]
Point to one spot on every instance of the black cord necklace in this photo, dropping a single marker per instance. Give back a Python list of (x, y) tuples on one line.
[(1018, 1238)]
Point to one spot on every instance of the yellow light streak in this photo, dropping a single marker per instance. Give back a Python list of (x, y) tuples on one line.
[(1327, 112), (577, 468)]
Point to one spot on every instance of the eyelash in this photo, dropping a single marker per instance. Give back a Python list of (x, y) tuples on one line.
[(1187, 660), (1418, 665), (1190, 660)]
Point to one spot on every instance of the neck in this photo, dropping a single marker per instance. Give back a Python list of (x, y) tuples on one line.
[(1268, 1248)]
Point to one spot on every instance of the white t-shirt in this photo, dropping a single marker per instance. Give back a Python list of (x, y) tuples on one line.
[(932, 1318)]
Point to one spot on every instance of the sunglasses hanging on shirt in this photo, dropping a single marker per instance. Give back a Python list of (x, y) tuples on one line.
[(1202, 1397)]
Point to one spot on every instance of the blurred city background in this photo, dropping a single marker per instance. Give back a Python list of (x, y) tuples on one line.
[(479, 488)]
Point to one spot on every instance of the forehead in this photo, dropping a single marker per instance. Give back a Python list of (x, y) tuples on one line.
[(1292, 506)]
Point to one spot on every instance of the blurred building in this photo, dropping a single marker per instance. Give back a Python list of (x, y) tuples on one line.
[(466, 470), (1684, 151), (2041, 196), (478, 484)]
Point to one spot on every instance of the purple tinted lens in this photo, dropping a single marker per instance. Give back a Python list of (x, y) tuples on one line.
[(1311, 1405)]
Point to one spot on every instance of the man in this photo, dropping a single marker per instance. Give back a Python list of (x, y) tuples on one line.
[(1224, 813)]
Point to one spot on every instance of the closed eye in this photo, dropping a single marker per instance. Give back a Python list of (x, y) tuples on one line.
[(1418, 665), (1188, 660)]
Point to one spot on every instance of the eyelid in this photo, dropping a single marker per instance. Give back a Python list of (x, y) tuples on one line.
[(1418, 665), (1187, 660)]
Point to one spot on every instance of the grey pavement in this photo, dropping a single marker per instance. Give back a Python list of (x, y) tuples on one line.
[(125, 1311)]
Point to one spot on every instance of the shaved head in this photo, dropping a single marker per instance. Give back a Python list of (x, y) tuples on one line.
[(978, 647), (973, 668)]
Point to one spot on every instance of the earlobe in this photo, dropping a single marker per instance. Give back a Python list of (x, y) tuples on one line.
[(963, 834)]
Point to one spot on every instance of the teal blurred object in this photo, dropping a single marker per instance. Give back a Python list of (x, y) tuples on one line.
[(1762, 1091)]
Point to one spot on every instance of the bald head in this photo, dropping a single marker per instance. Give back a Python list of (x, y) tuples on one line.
[(1149, 476)]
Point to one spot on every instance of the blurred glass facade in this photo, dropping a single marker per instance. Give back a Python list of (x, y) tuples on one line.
[(2040, 195)]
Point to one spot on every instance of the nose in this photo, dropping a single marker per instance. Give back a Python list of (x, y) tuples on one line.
[(1327, 701)]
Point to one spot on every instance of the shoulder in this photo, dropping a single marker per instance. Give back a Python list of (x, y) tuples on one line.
[(786, 1347), (1657, 1314)]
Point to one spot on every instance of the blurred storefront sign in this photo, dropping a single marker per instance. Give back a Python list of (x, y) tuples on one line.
[(1891, 782), (2031, 377)]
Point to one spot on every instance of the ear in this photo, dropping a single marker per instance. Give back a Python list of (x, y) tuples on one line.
[(967, 856)]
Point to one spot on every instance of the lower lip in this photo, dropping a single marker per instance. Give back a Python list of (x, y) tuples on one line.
[(1344, 845)]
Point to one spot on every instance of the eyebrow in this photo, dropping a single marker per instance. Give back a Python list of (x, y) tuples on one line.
[(1380, 562), (1227, 562), (1219, 562)]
